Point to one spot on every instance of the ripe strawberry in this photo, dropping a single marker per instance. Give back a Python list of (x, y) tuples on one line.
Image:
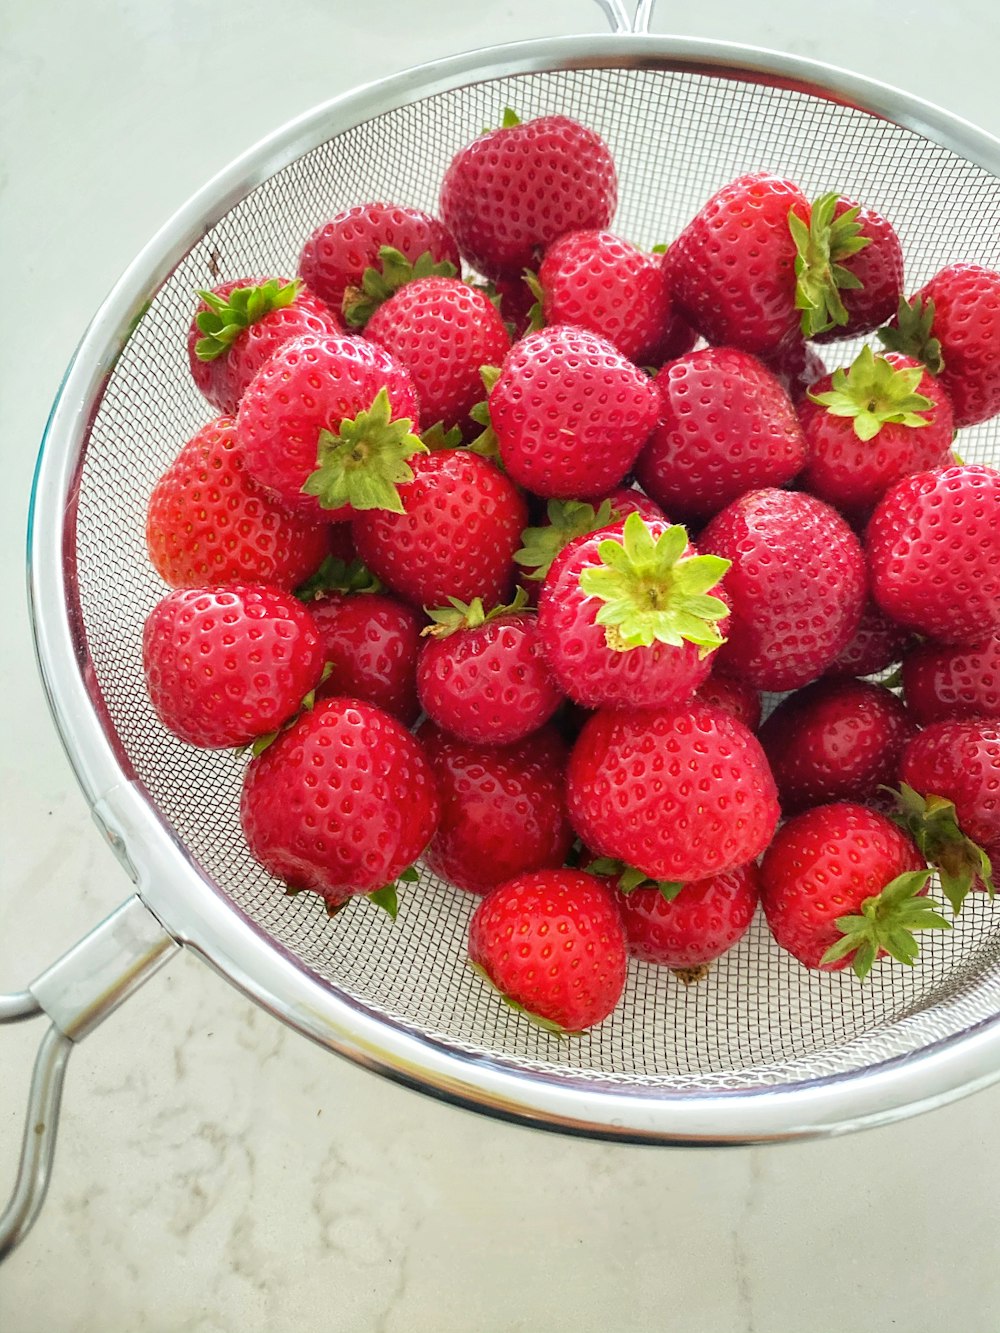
[(503, 810), (517, 303), (732, 696), (442, 330), (239, 326), (224, 666), (796, 365), (623, 616), (877, 270), (943, 684), (726, 427), (680, 795), (876, 644), (871, 425), (797, 586), (552, 943), (835, 740), (513, 191), (570, 413), (328, 424), (567, 519), (840, 884), (932, 553), (457, 537), (209, 522)]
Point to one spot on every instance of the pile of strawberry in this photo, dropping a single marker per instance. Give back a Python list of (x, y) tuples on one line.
[(567, 518)]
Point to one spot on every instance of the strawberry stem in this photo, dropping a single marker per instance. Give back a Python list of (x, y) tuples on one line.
[(336, 575), (874, 393), (932, 823), (567, 519), (448, 620), (887, 921), (226, 317), (361, 464), (378, 284), (630, 877), (820, 275), (913, 335)]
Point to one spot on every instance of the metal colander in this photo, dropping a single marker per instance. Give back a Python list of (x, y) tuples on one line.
[(762, 1049)]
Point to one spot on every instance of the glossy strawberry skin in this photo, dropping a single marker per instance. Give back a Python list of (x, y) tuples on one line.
[(822, 865), (337, 253), (681, 795), (835, 740), (226, 665), (876, 644), (797, 365), (552, 941), (457, 538), (727, 426), (209, 522), (879, 269), (705, 920), (797, 586), (960, 761), (503, 810), (442, 330), (732, 696), (371, 642), (942, 684), (932, 553), (512, 192), (570, 413)]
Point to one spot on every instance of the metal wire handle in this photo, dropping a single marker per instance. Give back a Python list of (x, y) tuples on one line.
[(617, 15)]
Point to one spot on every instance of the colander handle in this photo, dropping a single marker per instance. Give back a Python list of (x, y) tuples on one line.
[(617, 15), (77, 992)]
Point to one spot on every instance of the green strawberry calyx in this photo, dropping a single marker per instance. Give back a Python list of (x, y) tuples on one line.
[(932, 823), (913, 335), (631, 877), (654, 593), (227, 316), (438, 437), (362, 463), (568, 519), (447, 620), (546, 1024), (508, 120), (486, 443), (387, 897), (536, 313), (378, 284), (875, 393), (887, 920), (821, 246), (336, 575)]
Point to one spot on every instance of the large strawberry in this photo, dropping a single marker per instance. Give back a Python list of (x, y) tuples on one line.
[(552, 943), (797, 586), (680, 795), (932, 553), (513, 191), (877, 643), (625, 618), (733, 696), (943, 684)]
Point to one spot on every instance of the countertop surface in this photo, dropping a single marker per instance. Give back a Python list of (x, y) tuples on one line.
[(216, 1172)]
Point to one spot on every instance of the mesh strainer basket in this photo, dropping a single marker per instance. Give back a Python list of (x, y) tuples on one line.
[(761, 1050)]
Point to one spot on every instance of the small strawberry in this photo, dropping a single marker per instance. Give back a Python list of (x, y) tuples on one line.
[(732, 696), (943, 684), (842, 885), (932, 553), (726, 427), (570, 413), (567, 519), (796, 365), (552, 944), (513, 191), (680, 795), (224, 666), (876, 644), (503, 810), (514, 298), (797, 586), (877, 271)]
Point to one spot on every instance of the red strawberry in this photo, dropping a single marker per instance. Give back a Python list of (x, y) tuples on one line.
[(796, 365), (442, 330), (239, 326), (503, 810), (680, 795), (369, 251), (224, 666), (945, 684), (625, 500), (623, 617), (209, 522), (842, 885), (513, 191), (552, 943), (835, 740), (570, 413), (797, 586), (932, 553), (877, 270), (517, 302), (732, 696), (876, 644), (726, 427), (457, 537)]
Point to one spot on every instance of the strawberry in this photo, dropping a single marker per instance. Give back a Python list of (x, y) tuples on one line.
[(516, 302), (876, 644), (570, 413), (624, 619), (867, 427), (363, 254), (842, 885), (239, 326), (726, 427), (796, 365), (877, 270), (209, 522), (552, 944), (943, 684), (932, 553), (442, 330), (797, 586), (226, 665), (513, 191), (567, 519), (835, 740), (503, 810), (680, 795), (732, 696)]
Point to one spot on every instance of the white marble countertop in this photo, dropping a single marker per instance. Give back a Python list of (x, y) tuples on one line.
[(215, 1171)]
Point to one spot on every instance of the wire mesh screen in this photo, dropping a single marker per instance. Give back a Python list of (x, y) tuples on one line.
[(759, 1018)]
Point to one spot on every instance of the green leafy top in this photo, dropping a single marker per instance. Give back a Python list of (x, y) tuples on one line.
[(336, 575), (509, 119), (820, 248), (378, 284), (437, 437), (362, 464), (227, 316), (932, 824), (486, 443), (654, 593), (536, 313), (567, 519), (887, 921), (629, 877), (875, 393), (912, 335), (448, 620)]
